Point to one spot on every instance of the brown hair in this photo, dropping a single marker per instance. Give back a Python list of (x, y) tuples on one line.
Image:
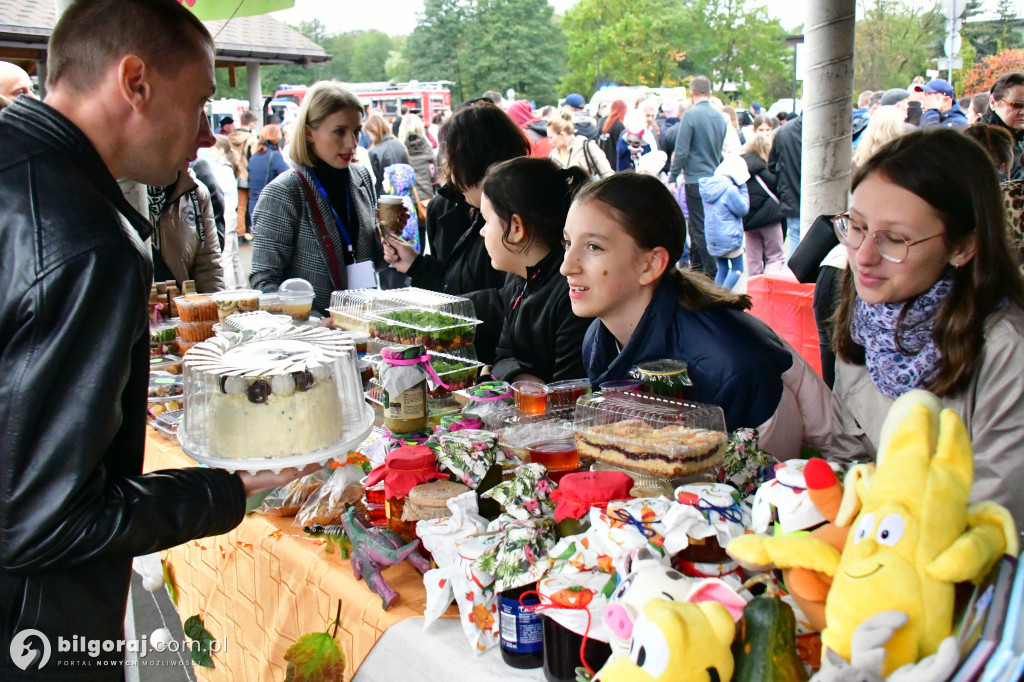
[(1005, 82), (700, 86), (271, 133), (996, 140), (93, 34), (649, 214), (536, 190), (476, 137), (322, 99), (223, 143), (378, 128), (760, 145), (957, 178)]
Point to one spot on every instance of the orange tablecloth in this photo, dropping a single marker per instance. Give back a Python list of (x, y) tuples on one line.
[(264, 584)]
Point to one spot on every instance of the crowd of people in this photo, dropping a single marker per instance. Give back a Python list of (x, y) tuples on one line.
[(588, 244)]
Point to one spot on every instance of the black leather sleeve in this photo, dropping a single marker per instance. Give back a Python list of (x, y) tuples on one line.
[(72, 440)]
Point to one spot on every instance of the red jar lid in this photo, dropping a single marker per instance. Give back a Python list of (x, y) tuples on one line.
[(405, 468), (578, 492)]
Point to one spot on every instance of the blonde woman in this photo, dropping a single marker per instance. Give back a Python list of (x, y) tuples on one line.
[(887, 123), (319, 222), (569, 149)]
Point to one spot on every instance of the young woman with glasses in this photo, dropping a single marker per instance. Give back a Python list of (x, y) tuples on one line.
[(932, 299)]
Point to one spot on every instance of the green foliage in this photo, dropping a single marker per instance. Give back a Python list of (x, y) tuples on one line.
[(370, 52), (489, 45), (316, 657), (894, 43), (993, 36), (664, 42), (201, 641)]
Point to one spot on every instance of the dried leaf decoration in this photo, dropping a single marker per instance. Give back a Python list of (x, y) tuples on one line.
[(316, 657), (201, 641)]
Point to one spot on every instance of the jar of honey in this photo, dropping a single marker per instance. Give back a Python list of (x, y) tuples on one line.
[(558, 456)]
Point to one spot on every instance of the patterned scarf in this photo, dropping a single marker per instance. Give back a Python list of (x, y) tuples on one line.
[(899, 364)]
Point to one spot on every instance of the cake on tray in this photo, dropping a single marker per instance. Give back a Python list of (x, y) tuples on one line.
[(280, 393)]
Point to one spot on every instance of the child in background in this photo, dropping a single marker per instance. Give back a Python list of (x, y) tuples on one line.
[(524, 203), (726, 201), (623, 236)]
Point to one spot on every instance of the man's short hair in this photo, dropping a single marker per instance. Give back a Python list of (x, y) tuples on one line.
[(405, 110), (865, 99), (700, 86), (876, 99), (494, 96), (979, 103), (92, 34), (247, 118)]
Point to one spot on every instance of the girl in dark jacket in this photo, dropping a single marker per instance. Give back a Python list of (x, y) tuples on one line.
[(762, 226), (476, 137), (623, 236), (524, 204)]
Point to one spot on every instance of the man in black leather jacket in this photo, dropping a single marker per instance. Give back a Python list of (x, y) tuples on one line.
[(75, 274)]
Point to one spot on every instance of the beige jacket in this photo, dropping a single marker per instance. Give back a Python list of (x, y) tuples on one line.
[(992, 407), (576, 157), (243, 142), (188, 256)]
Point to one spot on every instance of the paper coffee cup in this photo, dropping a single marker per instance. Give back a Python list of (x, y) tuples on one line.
[(390, 209)]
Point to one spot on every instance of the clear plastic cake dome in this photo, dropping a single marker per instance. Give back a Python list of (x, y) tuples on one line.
[(650, 433), (274, 399)]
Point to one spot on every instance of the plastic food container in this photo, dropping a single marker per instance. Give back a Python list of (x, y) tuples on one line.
[(282, 395), (566, 393), (297, 304), (195, 331), (350, 309), (531, 397), (516, 432), (361, 339), (258, 319), (236, 301), (412, 297), (271, 303), (668, 378), (165, 386), (162, 332), (622, 386), (649, 433), (196, 308), (420, 326), (165, 363)]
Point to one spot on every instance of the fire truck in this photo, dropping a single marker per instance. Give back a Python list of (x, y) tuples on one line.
[(423, 98)]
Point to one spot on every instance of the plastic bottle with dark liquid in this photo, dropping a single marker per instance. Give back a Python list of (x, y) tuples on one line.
[(522, 632)]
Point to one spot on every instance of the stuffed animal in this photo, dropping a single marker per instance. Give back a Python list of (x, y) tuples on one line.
[(913, 538), (676, 642), (650, 579)]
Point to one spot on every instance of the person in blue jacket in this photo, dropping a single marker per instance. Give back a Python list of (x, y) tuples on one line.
[(623, 236), (266, 163), (726, 202)]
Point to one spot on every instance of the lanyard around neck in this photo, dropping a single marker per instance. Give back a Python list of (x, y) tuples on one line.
[(342, 226)]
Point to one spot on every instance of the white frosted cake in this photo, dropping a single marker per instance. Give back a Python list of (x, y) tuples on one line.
[(278, 394)]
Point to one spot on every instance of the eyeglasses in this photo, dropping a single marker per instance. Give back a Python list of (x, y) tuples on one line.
[(1016, 106), (891, 246)]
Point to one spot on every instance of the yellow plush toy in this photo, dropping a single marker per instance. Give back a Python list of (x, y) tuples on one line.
[(915, 536), (676, 642)]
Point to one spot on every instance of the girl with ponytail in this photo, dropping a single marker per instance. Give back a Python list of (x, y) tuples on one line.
[(623, 237), (524, 203)]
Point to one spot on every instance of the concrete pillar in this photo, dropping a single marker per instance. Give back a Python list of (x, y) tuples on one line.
[(828, 109), (255, 89), (41, 76)]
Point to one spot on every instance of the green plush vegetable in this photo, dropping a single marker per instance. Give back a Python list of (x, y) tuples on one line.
[(765, 647), (316, 657)]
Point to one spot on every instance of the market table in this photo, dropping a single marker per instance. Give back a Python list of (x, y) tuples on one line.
[(265, 584)]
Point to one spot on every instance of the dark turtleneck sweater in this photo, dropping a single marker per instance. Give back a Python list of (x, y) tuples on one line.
[(337, 182)]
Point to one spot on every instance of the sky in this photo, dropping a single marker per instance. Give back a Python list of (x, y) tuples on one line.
[(400, 17)]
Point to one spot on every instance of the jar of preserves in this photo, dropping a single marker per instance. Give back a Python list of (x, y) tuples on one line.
[(665, 378)]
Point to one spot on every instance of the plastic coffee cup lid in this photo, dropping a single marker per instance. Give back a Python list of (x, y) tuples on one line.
[(390, 199)]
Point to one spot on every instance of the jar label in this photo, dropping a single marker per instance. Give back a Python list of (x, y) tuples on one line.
[(410, 404), (522, 631)]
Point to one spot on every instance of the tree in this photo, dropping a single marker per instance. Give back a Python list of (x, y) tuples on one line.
[(515, 44), (992, 36), (984, 75), (733, 41), (629, 42), (488, 44), (895, 43), (434, 48), (370, 52)]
